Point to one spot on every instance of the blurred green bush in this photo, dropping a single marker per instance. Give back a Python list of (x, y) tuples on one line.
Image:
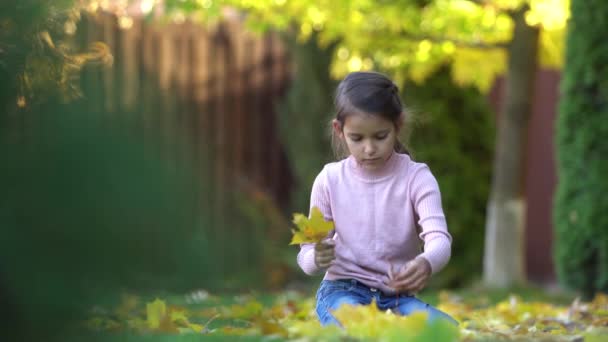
[(453, 132), (86, 209), (580, 203), (304, 116)]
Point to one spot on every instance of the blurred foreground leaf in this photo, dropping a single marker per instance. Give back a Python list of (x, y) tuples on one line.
[(294, 318)]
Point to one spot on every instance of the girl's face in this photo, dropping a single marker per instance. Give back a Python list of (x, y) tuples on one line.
[(369, 138)]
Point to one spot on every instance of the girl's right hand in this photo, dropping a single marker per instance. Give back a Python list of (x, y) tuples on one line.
[(325, 253)]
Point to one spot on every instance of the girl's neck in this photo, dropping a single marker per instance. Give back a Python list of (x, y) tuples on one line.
[(373, 175)]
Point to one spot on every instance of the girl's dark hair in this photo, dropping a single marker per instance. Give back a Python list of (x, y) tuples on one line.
[(370, 93)]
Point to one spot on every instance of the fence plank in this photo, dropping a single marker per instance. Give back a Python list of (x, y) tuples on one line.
[(109, 27), (258, 123), (238, 123), (129, 39)]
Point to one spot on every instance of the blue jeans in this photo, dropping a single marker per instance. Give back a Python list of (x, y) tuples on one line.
[(334, 293)]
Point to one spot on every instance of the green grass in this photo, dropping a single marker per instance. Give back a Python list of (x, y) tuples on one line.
[(477, 293)]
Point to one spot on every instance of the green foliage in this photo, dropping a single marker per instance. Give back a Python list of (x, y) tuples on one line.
[(581, 204), (304, 116), (262, 234), (86, 210), (101, 206), (453, 133), (91, 204)]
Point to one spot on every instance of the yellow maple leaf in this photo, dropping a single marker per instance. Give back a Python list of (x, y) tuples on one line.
[(155, 312), (180, 319), (310, 230)]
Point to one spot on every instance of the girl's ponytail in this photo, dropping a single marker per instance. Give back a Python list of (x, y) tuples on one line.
[(400, 148)]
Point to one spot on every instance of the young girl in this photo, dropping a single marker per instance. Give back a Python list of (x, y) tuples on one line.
[(376, 196)]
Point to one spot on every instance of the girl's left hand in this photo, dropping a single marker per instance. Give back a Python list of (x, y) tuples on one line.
[(412, 277)]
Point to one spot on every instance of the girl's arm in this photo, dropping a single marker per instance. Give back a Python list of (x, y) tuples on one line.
[(426, 199), (318, 198)]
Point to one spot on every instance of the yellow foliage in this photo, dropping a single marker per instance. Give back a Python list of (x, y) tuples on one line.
[(421, 70), (551, 53), (168, 320), (488, 65), (549, 14)]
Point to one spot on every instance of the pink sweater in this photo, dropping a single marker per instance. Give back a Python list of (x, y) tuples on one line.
[(375, 216)]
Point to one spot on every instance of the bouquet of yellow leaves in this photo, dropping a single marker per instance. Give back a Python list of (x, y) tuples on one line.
[(310, 230)]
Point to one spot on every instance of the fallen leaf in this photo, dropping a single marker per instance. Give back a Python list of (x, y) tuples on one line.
[(155, 312)]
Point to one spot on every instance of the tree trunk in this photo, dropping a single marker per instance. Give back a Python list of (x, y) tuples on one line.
[(504, 245)]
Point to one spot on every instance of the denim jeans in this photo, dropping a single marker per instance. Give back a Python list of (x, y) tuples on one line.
[(333, 293)]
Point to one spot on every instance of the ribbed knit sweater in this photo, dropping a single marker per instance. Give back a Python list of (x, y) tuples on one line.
[(376, 214)]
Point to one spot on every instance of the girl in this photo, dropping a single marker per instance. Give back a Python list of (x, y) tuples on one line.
[(376, 197)]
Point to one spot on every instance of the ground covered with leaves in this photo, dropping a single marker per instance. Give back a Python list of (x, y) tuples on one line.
[(290, 316)]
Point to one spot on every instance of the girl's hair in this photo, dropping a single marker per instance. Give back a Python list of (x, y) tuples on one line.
[(370, 93)]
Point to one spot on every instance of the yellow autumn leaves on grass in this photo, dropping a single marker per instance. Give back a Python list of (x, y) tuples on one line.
[(161, 318), (156, 317), (310, 230), (292, 316)]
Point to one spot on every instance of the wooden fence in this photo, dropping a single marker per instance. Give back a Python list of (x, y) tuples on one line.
[(212, 89), (220, 86)]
